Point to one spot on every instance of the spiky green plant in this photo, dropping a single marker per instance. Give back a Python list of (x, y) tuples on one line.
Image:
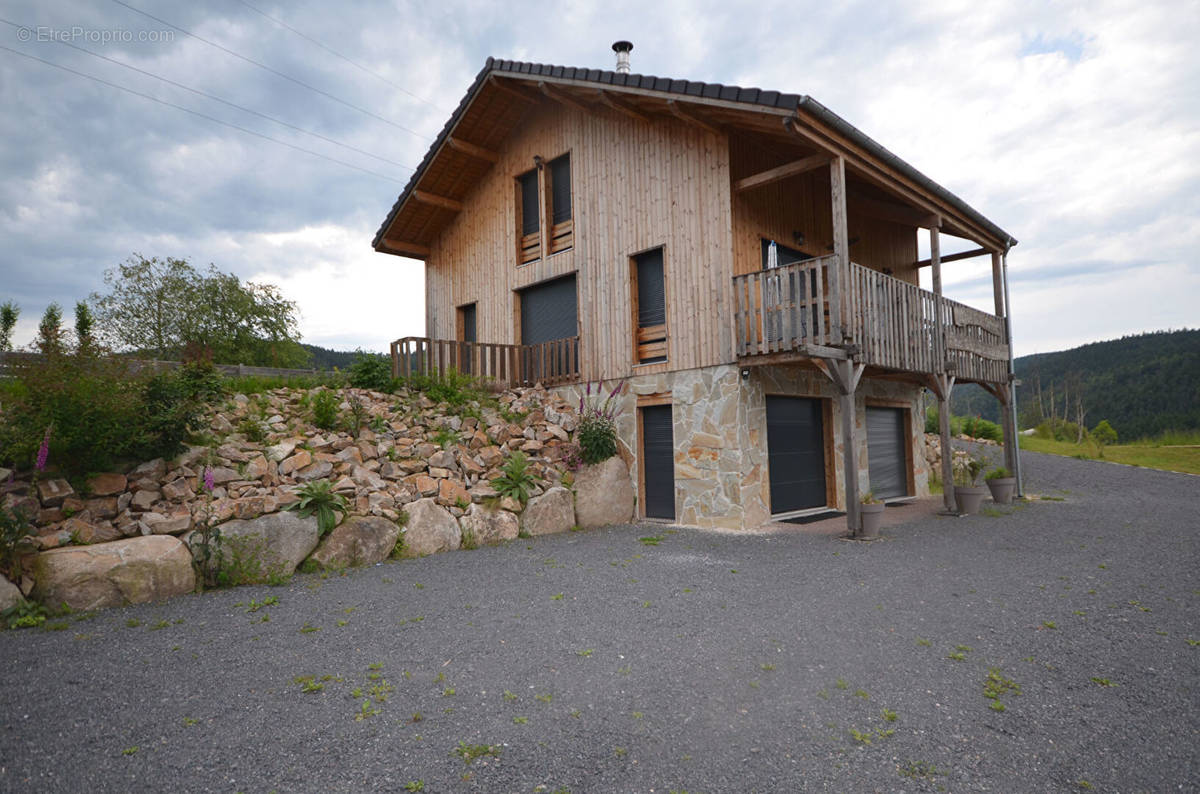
[(318, 498)]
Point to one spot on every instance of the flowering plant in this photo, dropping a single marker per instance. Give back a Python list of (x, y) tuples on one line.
[(207, 540), (597, 433)]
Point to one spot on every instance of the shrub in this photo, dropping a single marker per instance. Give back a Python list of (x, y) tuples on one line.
[(14, 528), (967, 471), (325, 409), (453, 387), (253, 429), (1103, 433), (597, 433), (371, 371), (100, 411), (318, 498), (515, 481), (998, 473), (976, 427)]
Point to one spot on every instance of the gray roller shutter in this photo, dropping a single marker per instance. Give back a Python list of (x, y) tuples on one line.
[(886, 459), (651, 298), (529, 202), (658, 461), (560, 188), (548, 311), (795, 453)]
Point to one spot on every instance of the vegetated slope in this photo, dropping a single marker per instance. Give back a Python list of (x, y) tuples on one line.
[(325, 359), (1141, 384)]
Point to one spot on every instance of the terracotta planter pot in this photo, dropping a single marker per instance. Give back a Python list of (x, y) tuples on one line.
[(1002, 489), (872, 515), (969, 498)]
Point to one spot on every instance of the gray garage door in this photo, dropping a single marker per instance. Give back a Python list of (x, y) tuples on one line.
[(886, 460), (795, 453)]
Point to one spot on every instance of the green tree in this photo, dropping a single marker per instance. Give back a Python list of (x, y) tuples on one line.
[(1104, 434), (83, 327), (162, 306), (49, 339), (9, 312)]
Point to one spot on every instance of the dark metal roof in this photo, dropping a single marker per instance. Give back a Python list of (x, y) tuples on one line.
[(691, 88)]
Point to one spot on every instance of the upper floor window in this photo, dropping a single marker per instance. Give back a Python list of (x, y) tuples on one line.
[(545, 215), (650, 308)]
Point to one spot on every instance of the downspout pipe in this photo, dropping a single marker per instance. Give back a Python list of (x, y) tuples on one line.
[(1012, 373)]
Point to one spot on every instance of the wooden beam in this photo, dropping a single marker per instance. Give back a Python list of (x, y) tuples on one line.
[(887, 211), (471, 149), (621, 107), (839, 286), (506, 86), (404, 247), (692, 118), (561, 98), (437, 201), (935, 261), (779, 172), (974, 252)]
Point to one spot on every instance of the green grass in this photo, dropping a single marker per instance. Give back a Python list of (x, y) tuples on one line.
[(1170, 452)]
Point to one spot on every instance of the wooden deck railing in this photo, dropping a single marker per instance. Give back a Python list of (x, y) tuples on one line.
[(549, 363), (784, 308), (893, 323)]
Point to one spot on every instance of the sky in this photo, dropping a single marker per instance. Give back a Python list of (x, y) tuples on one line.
[(1073, 126)]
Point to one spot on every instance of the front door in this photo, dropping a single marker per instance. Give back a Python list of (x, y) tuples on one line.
[(466, 333), (796, 453), (658, 462)]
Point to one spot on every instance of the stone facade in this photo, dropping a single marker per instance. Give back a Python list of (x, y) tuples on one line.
[(720, 436)]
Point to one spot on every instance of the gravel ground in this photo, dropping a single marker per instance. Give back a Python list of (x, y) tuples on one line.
[(710, 662)]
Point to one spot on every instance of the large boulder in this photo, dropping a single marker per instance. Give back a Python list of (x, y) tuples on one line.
[(485, 526), (360, 540), (603, 494), (10, 594), (430, 529), (553, 511), (129, 571), (279, 541)]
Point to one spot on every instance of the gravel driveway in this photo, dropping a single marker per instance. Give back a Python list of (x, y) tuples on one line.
[(594, 661)]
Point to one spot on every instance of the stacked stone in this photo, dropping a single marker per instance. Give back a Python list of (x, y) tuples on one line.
[(428, 463)]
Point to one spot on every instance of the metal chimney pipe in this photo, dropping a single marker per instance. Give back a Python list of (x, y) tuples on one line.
[(622, 48)]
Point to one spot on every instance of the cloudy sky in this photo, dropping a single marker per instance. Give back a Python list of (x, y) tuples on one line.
[(1075, 126)]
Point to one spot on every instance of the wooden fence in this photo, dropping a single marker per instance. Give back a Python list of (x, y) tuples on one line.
[(549, 363)]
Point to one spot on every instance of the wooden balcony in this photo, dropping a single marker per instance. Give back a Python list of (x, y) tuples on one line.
[(549, 363), (783, 314)]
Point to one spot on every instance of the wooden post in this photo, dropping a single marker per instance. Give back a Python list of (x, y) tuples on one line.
[(845, 375), (998, 285), (945, 386), (839, 274), (1010, 430)]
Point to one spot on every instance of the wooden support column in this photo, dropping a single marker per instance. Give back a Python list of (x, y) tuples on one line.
[(941, 384), (998, 285), (1010, 430), (935, 259), (845, 375), (839, 286)]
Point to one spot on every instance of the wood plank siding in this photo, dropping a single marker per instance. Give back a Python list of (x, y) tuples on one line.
[(635, 186)]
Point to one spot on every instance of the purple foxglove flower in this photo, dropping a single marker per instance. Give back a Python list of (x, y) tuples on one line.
[(43, 451), (208, 478)]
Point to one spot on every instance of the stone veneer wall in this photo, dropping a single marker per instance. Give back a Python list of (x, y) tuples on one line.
[(720, 429)]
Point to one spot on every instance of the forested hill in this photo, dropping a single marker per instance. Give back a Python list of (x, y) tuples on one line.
[(1142, 385), (324, 358)]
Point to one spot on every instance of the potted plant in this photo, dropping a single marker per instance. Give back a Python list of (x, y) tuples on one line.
[(1002, 485), (967, 490), (871, 511)]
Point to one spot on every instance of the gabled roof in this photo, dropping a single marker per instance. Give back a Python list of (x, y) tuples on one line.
[(489, 121)]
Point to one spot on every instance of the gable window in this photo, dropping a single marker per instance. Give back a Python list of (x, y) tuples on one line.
[(530, 223), (545, 215), (650, 308), (563, 227)]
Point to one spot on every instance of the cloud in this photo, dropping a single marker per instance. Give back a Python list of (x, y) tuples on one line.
[(1075, 128)]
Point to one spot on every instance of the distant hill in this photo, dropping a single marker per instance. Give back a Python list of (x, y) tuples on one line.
[(326, 359), (1142, 385)]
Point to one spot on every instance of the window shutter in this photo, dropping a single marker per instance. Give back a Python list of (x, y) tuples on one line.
[(529, 202), (548, 311), (652, 306), (560, 188)]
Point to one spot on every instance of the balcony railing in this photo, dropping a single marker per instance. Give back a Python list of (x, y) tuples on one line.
[(549, 363), (894, 324)]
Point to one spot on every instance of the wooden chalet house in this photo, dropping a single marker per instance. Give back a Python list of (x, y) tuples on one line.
[(746, 258)]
